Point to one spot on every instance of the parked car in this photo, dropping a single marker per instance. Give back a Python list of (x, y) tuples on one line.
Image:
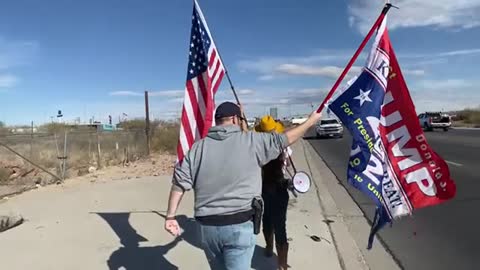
[(251, 122), (329, 128), (435, 120), (297, 120)]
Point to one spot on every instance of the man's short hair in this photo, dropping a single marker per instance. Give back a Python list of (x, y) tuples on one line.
[(222, 120), (227, 110)]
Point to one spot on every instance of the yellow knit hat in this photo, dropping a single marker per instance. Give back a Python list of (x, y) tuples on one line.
[(268, 124), (279, 128)]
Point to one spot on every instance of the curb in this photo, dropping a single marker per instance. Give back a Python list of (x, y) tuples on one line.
[(348, 226), (465, 128)]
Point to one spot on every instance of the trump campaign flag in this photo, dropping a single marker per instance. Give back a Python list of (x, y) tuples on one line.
[(390, 160), (204, 75)]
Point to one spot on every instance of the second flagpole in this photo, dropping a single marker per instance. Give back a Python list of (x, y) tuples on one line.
[(377, 23)]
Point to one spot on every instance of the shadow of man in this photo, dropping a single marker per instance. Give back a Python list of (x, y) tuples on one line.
[(130, 256)]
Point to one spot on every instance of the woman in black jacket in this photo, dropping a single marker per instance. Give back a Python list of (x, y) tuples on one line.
[(275, 197)]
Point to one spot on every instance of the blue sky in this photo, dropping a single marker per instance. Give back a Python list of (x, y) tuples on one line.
[(94, 58)]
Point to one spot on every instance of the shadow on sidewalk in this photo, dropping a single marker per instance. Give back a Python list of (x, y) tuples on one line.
[(132, 257), (259, 261)]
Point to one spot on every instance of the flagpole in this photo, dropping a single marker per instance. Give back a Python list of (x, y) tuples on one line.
[(228, 76), (377, 23), (232, 87), (230, 81), (226, 71)]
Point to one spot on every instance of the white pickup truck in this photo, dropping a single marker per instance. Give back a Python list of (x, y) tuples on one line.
[(297, 120), (434, 120), (329, 128)]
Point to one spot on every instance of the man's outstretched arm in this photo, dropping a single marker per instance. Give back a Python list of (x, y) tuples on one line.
[(297, 132)]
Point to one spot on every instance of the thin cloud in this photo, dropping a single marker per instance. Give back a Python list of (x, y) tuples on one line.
[(448, 94), (307, 96), (285, 98), (417, 13), (324, 71), (16, 53), (8, 81), (446, 84), (167, 93), (436, 55), (176, 100), (414, 72), (266, 77), (266, 66), (126, 93), (164, 93), (266, 101), (460, 52), (332, 71), (246, 92), (13, 54)]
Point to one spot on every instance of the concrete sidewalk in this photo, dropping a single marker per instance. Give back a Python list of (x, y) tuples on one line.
[(119, 225)]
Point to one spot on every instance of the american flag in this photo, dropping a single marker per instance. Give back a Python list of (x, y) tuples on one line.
[(204, 75)]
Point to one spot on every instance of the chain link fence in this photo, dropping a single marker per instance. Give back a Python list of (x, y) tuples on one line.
[(42, 158)]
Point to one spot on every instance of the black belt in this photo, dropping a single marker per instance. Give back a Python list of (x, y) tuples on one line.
[(224, 220)]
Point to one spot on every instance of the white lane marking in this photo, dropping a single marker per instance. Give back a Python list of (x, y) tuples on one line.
[(454, 163)]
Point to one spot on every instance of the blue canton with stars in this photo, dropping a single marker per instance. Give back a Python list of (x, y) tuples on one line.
[(359, 109), (200, 42)]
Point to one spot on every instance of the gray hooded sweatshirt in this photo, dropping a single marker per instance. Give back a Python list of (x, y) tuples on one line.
[(224, 169)]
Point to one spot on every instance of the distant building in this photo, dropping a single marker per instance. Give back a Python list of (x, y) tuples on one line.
[(96, 126), (274, 112), (23, 130)]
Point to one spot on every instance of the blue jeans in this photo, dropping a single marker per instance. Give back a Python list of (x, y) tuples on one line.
[(229, 247)]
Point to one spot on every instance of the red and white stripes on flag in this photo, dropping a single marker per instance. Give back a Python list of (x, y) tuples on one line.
[(204, 75)]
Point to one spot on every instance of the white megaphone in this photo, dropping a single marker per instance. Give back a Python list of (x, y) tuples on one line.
[(300, 181)]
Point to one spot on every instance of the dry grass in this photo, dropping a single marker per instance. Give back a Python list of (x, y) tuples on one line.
[(53, 128), (117, 147), (468, 117), (164, 135), (81, 151), (165, 138)]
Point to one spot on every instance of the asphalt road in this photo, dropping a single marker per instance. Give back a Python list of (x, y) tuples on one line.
[(446, 236)]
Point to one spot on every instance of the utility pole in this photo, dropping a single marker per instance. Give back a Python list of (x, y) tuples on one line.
[(31, 141), (147, 122)]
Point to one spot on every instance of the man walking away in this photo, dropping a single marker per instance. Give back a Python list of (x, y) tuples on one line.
[(224, 169)]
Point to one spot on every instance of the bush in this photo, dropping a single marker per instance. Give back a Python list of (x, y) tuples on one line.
[(165, 137), (53, 128), (133, 124), (469, 116)]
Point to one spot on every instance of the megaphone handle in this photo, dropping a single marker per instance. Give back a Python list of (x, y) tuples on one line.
[(293, 165)]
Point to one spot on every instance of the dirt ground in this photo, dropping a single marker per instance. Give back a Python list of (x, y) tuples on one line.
[(157, 164)]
